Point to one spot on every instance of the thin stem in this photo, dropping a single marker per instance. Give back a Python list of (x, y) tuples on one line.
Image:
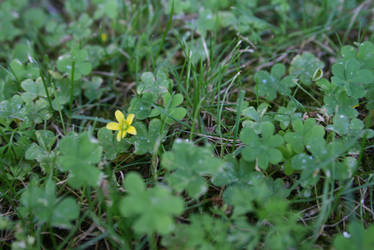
[(46, 90), (72, 87)]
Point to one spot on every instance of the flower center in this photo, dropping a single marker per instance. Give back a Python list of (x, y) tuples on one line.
[(124, 125)]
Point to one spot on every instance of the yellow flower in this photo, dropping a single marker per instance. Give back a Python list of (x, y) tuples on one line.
[(123, 125), (104, 37)]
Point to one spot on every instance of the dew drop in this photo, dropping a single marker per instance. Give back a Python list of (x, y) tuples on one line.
[(346, 235)]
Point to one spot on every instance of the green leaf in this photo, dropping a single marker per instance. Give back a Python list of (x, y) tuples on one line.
[(341, 124), (22, 71), (257, 188), (43, 204), (146, 139), (304, 132), (366, 54), (93, 89), (12, 109), (263, 150), (278, 70), (38, 111), (287, 115), (340, 103), (256, 117), (356, 238), (78, 156), (35, 18), (203, 232), (134, 183), (41, 151), (349, 73), (308, 167), (170, 113), (267, 85), (154, 85), (141, 106), (110, 144), (108, 8), (22, 51), (348, 51), (234, 171), (152, 208), (78, 59), (188, 165), (346, 169), (81, 29), (33, 89), (304, 66)]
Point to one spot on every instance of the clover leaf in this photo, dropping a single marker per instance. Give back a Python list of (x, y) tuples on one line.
[(170, 112), (146, 139), (81, 28), (304, 67), (22, 71), (77, 59), (309, 170), (16, 108), (111, 146), (109, 8), (234, 171), (7, 29), (152, 208), (61, 94), (38, 111), (141, 106), (327, 157), (78, 156), (255, 118), (33, 89), (41, 151), (35, 18), (366, 54), (370, 98), (267, 85), (341, 124), (11, 109), (349, 74), (287, 115), (304, 132), (93, 89), (55, 33), (203, 232), (43, 204), (340, 103), (23, 51), (257, 188), (188, 165), (264, 148), (155, 85), (356, 237)]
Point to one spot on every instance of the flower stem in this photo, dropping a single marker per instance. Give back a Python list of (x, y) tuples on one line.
[(152, 240), (72, 87)]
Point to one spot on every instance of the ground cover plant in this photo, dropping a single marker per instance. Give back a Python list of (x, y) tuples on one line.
[(186, 124)]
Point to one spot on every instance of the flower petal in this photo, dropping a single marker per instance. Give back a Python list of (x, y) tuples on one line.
[(130, 118), (112, 126), (131, 130), (119, 116), (120, 135)]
